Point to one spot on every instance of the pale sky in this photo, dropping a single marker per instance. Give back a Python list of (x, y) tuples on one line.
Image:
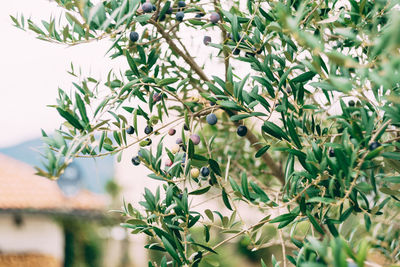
[(31, 70)]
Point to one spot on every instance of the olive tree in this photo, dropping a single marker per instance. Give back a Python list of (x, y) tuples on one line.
[(303, 125)]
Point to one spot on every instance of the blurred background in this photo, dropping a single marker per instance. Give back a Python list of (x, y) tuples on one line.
[(42, 222), (70, 222)]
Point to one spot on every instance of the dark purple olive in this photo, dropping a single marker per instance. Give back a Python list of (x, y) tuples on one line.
[(204, 171), (147, 7), (211, 119), (168, 163), (206, 40), (149, 141), (130, 130), (236, 51), (214, 17), (374, 145), (157, 97), (148, 129), (181, 4), (179, 16), (249, 54), (195, 139), (135, 160), (171, 131), (134, 36), (241, 130)]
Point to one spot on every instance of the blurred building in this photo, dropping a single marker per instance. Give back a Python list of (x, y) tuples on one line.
[(66, 222), (29, 234)]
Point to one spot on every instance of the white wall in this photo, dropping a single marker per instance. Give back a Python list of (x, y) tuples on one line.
[(36, 234)]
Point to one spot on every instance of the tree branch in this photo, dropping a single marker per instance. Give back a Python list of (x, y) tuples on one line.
[(189, 60), (275, 168)]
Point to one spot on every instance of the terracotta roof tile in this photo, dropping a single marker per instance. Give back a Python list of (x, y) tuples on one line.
[(20, 188), (32, 260)]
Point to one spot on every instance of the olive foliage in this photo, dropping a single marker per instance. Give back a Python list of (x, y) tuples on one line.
[(315, 82)]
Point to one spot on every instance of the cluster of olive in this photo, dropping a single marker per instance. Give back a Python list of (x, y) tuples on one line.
[(148, 7), (204, 171)]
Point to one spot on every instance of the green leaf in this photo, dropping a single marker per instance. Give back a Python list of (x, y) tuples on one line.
[(143, 18), (284, 217), (132, 64), (235, 28), (262, 101), (320, 200), (209, 214), (262, 195), (103, 135), (282, 81), (263, 263), (171, 250), (304, 77), (117, 138), (229, 105), (293, 133), (245, 186), (323, 85), (135, 121), (214, 89), (205, 247), (193, 221), (136, 221), (165, 8), (226, 199), (167, 81), (239, 117), (346, 214), (214, 166), (190, 149), (392, 179), (274, 130), (266, 84), (71, 119), (314, 222), (391, 155), (343, 84), (389, 191), (332, 228), (206, 233), (240, 87), (199, 157), (234, 185), (367, 220), (196, 22), (200, 191), (262, 151), (81, 108)]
